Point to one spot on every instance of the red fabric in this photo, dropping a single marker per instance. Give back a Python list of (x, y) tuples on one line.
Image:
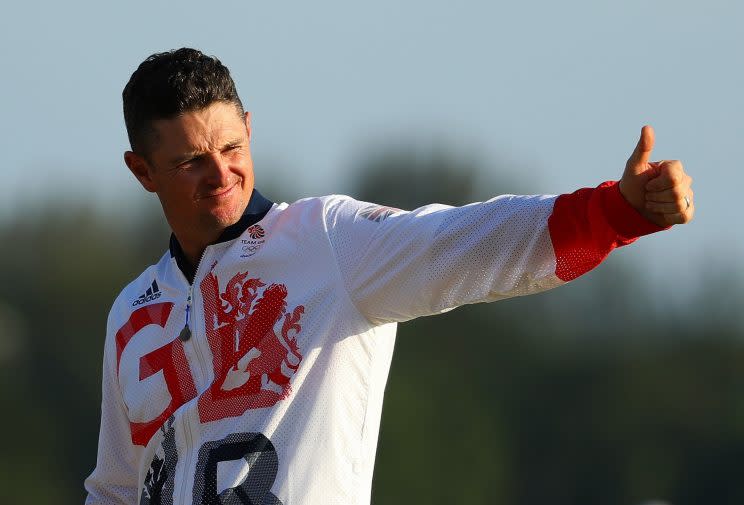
[(156, 313), (588, 224), (171, 359), (251, 314)]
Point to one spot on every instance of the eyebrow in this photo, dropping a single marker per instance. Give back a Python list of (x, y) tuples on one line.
[(191, 155)]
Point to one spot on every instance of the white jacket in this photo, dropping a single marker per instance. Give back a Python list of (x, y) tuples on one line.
[(275, 397)]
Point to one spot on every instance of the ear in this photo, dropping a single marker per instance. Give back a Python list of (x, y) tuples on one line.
[(141, 170), (248, 124)]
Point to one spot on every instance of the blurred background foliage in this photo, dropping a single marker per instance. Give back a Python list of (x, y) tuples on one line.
[(598, 392)]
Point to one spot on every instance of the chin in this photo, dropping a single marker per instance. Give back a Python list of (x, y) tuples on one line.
[(225, 217), (221, 214)]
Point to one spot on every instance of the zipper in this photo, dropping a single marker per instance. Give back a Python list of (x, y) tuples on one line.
[(185, 335), (189, 442), (198, 343), (186, 331)]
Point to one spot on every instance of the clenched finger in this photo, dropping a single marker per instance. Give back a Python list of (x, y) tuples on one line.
[(671, 173), (681, 217), (675, 207), (674, 194)]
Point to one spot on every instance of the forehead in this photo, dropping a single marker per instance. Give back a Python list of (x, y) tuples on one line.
[(200, 130)]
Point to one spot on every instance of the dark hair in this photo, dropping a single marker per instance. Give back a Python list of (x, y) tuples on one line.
[(171, 83)]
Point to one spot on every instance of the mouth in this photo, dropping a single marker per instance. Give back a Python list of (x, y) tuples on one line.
[(219, 194)]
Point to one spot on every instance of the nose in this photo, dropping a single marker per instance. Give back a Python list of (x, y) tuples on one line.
[(217, 170)]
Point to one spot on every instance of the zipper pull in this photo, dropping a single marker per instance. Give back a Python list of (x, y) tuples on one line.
[(186, 331)]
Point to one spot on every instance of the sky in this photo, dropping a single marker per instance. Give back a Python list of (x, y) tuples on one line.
[(550, 94)]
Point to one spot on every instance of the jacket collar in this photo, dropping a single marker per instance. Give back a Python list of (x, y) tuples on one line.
[(258, 206)]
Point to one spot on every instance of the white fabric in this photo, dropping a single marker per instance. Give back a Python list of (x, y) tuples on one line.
[(355, 270)]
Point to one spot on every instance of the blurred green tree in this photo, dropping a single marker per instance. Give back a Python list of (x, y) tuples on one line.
[(581, 395)]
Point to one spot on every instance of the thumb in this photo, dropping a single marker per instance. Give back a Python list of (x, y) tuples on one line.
[(638, 161)]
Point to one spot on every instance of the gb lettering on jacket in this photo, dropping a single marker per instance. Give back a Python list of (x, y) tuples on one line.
[(251, 334)]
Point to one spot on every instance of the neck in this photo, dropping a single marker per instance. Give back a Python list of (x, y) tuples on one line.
[(191, 244), (193, 253), (188, 253)]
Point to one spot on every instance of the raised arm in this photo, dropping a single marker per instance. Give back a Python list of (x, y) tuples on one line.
[(399, 265)]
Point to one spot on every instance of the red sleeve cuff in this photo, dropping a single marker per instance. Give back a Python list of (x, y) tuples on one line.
[(627, 222), (586, 225)]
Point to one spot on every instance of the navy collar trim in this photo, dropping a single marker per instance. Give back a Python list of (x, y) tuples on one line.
[(258, 206)]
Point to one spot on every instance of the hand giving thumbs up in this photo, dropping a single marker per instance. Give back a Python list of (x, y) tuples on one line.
[(659, 190)]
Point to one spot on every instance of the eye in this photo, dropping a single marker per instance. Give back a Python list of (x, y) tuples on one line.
[(185, 165)]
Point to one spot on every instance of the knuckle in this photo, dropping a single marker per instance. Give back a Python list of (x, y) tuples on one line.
[(674, 166)]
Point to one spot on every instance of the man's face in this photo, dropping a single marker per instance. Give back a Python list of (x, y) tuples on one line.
[(201, 169)]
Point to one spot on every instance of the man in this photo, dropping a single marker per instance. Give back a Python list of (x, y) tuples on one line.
[(248, 365)]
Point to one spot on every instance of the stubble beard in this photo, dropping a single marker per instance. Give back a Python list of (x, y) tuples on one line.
[(227, 214)]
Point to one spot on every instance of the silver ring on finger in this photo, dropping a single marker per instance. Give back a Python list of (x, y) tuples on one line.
[(687, 201)]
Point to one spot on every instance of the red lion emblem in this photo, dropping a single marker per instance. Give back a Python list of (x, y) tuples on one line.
[(254, 345)]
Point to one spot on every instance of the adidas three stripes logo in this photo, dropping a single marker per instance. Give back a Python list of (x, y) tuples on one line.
[(152, 293)]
